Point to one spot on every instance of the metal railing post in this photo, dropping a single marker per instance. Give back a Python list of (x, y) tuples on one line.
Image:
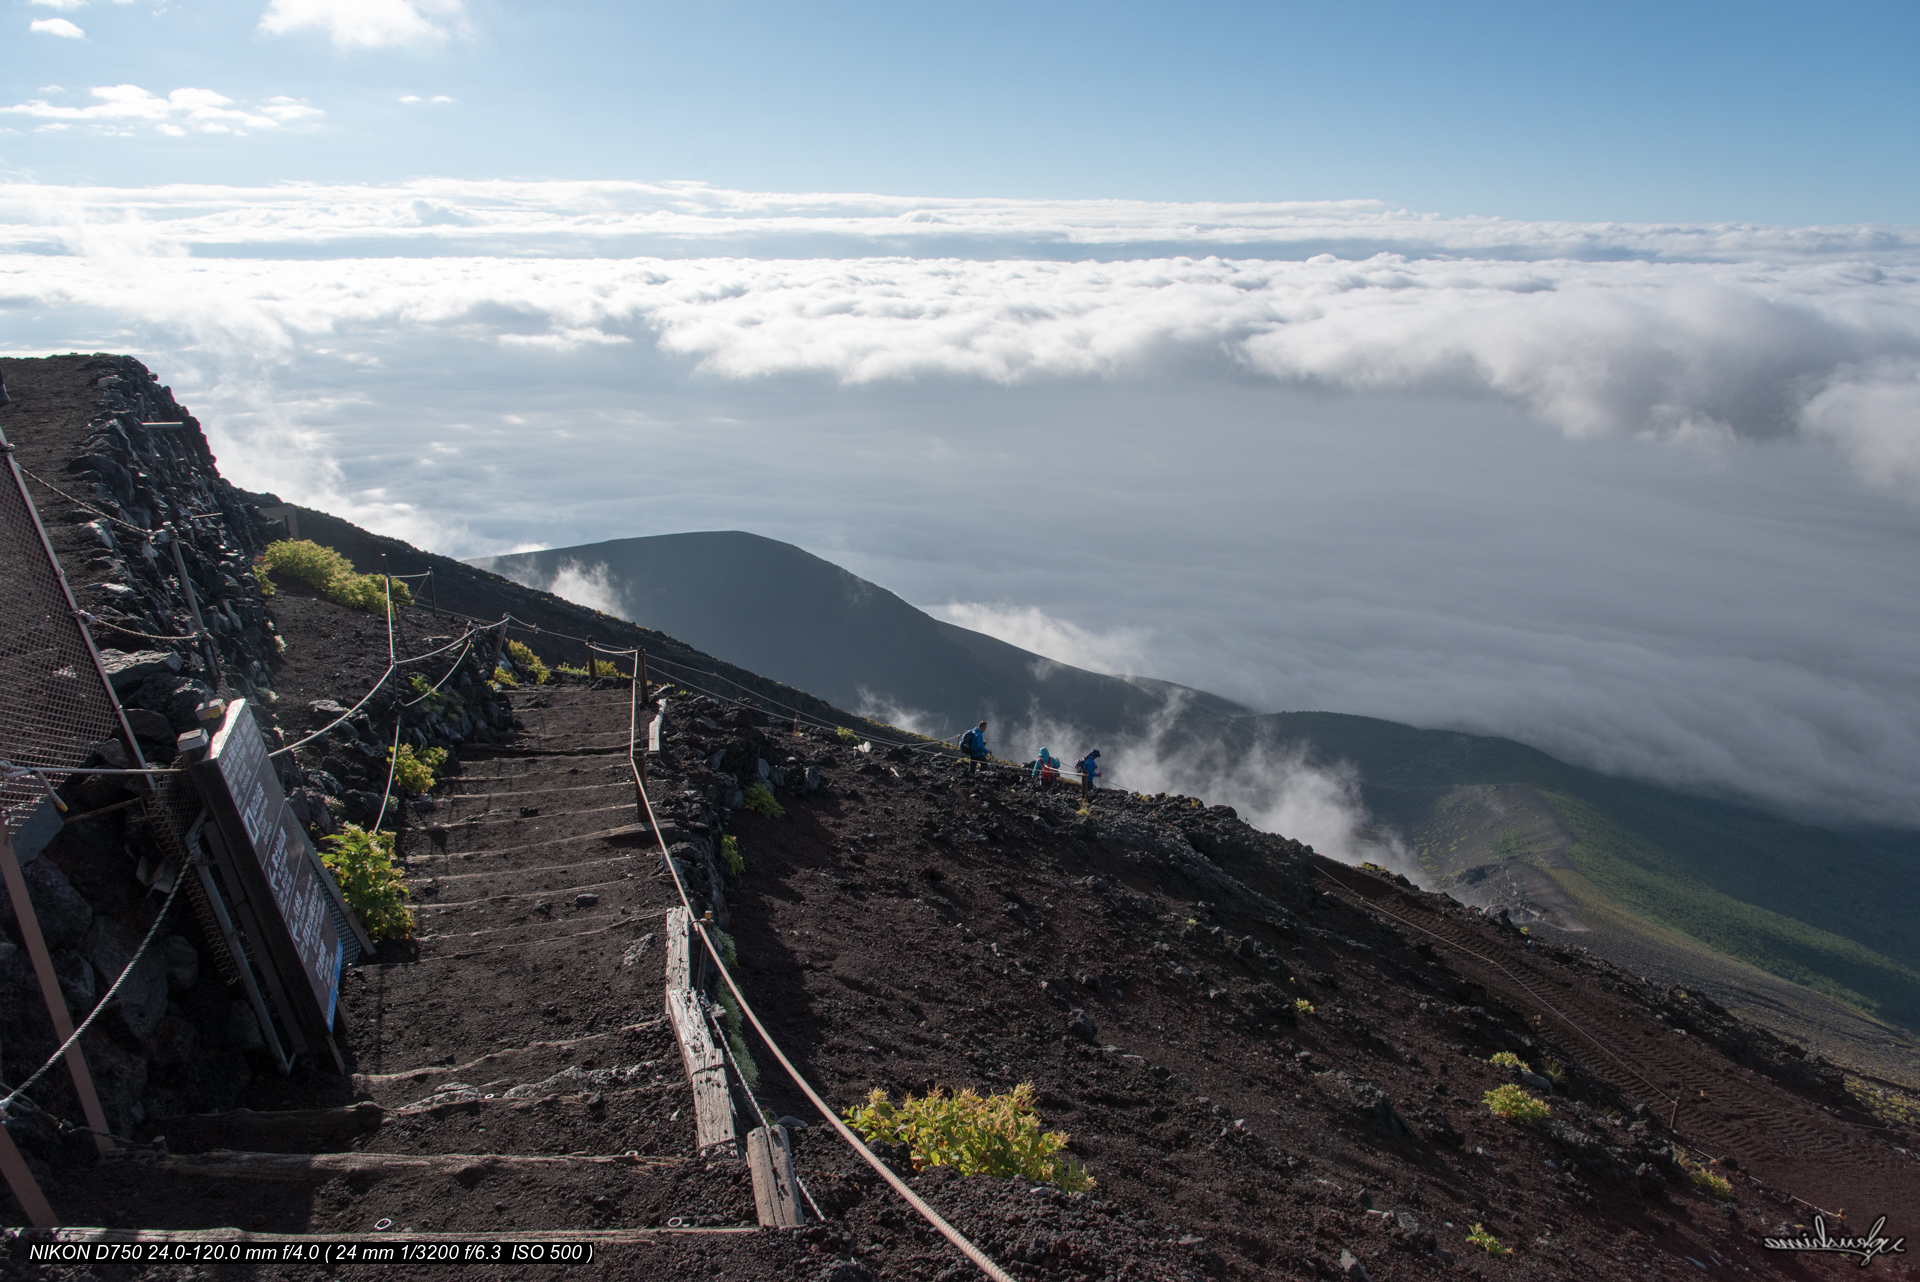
[(50, 991), (193, 608)]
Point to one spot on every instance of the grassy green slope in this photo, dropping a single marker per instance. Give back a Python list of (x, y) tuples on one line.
[(1819, 906), (1642, 875)]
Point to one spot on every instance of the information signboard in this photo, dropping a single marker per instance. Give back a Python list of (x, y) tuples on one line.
[(268, 848)]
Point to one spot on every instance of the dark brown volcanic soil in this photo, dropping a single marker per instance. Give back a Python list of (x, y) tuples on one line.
[(910, 926)]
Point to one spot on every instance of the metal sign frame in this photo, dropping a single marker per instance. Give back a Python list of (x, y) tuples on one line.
[(286, 902)]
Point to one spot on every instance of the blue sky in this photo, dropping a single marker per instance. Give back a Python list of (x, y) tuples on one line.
[(1546, 371), (1784, 113)]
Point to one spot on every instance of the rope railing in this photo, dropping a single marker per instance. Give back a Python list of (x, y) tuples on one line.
[(180, 879), (899, 1186)]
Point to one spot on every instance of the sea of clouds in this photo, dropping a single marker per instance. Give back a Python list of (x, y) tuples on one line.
[(1644, 496)]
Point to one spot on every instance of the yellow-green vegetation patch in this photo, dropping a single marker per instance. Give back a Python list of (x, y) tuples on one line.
[(730, 855), (322, 568), (414, 772), (993, 1135), (528, 662), (1507, 1059), (759, 799), (1704, 1177), (1302, 1006), (362, 863), (1480, 1237), (845, 735), (1894, 1107), (1512, 1104), (429, 698)]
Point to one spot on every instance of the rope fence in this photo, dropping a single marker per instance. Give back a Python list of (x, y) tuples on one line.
[(100, 1007), (899, 1186)]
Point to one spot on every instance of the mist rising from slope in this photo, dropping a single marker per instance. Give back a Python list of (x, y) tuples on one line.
[(1277, 788)]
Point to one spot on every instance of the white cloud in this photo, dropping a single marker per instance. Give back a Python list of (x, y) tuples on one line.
[(1275, 788), (440, 97), (367, 24), (1872, 412), (56, 27), (1699, 351), (412, 97), (589, 586), (119, 108), (65, 6), (565, 340), (1198, 434), (1120, 652)]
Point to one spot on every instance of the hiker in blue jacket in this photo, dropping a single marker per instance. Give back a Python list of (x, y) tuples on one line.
[(1045, 765), (1089, 767), (973, 744)]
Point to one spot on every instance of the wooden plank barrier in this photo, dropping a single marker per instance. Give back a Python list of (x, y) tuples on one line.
[(776, 1194), (706, 1064)]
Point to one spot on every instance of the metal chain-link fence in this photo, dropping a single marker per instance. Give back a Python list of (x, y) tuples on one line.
[(54, 704)]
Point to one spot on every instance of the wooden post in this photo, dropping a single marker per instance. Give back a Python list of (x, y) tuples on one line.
[(679, 931), (645, 692), (589, 658), (433, 596), (776, 1195), (26, 1189), (705, 1063), (50, 991)]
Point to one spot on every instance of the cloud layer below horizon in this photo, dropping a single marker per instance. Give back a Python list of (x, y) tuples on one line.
[(1644, 496)]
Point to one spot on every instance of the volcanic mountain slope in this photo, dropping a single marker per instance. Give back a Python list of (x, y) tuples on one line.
[(1794, 923), (1270, 1063), (1709, 892), (782, 611)]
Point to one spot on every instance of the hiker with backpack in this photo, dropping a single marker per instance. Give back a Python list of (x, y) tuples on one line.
[(1088, 766), (1046, 767), (973, 745)]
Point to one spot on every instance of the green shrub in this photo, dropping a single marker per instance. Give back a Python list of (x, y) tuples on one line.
[(502, 677), (414, 772), (749, 1071), (845, 735), (1554, 1071), (570, 669), (362, 862), (730, 855), (305, 561), (1705, 1177), (429, 698), (994, 1135), (367, 592), (1302, 1006), (759, 799), (1478, 1236), (1507, 1059), (528, 662), (607, 668), (1514, 1105)]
